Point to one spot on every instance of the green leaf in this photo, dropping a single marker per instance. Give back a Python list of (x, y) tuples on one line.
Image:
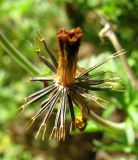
[(129, 132), (17, 56)]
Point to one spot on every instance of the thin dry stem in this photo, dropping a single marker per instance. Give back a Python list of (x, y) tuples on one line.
[(108, 32)]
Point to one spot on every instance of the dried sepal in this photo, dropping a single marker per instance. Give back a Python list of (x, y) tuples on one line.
[(36, 96), (119, 53), (42, 79), (86, 77), (53, 59), (46, 62), (72, 114), (58, 131)]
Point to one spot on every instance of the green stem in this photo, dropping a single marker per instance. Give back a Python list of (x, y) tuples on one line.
[(18, 56), (84, 104), (120, 127)]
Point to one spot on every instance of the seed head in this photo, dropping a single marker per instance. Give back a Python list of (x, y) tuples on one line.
[(68, 86)]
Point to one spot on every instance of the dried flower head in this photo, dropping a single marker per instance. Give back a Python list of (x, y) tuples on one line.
[(70, 84)]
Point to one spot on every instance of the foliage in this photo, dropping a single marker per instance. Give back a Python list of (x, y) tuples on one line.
[(20, 22)]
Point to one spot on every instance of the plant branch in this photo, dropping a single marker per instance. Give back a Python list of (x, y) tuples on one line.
[(108, 32), (17, 56)]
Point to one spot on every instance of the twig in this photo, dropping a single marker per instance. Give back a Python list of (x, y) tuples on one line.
[(108, 32)]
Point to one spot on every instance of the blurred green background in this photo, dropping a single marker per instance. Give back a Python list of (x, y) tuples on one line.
[(20, 21)]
